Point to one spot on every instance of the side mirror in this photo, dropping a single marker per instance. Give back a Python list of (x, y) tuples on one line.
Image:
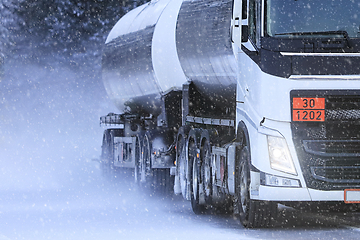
[(244, 33)]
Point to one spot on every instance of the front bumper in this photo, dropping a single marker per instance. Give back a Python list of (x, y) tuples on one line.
[(284, 194)]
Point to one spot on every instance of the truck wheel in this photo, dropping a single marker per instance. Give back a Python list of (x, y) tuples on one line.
[(253, 213), (182, 165), (195, 180), (107, 154), (146, 173), (137, 160), (206, 171)]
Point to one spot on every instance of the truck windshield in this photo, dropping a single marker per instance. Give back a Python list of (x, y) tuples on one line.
[(301, 18)]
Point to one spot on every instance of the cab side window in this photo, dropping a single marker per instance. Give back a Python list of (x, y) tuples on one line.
[(252, 21)]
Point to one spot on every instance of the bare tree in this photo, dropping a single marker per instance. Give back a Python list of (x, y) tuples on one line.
[(67, 27)]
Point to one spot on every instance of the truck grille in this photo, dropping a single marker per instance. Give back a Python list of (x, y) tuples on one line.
[(337, 174), (331, 148), (329, 152), (342, 115)]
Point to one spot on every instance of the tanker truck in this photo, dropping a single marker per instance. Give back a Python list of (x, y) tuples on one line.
[(239, 105)]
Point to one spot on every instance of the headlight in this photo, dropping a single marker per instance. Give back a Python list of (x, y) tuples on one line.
[(280, 158)]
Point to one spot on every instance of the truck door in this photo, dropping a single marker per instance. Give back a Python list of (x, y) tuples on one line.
[(239, 13), (254, 22)]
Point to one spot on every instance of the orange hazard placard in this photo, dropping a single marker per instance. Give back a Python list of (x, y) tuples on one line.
[(309, 115), (352, 195), (308, 103), (308, 109)]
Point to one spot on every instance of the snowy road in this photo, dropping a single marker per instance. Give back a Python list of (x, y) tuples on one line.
[(50, 188), (120, 211)]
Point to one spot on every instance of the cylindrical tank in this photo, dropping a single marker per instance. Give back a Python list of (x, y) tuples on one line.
[(161, 45)]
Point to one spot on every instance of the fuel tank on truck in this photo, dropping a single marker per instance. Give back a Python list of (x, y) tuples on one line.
[(161, 45)]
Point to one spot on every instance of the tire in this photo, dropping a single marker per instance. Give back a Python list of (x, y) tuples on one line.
[(181, 162), (195, 180), (253, 213), (206, 171), (137, 175), (107, 154), (146, 173)]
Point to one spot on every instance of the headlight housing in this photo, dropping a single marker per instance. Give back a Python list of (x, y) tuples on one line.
[(279, 154)]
